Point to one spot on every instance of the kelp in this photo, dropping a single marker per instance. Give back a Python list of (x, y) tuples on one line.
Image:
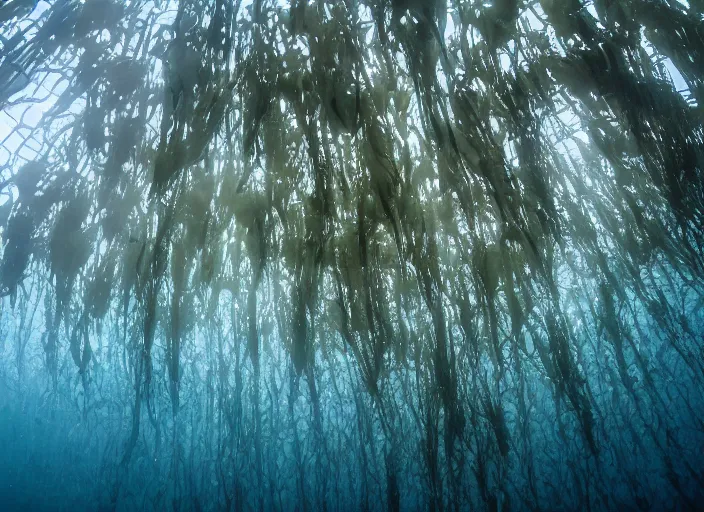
[(474, 230)]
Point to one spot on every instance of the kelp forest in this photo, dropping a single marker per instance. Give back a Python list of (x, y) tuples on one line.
[(341, 255)]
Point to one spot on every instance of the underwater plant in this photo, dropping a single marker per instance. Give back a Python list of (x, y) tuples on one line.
[(351, 255)]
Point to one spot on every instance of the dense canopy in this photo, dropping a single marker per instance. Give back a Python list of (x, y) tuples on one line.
[(352, 254)]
